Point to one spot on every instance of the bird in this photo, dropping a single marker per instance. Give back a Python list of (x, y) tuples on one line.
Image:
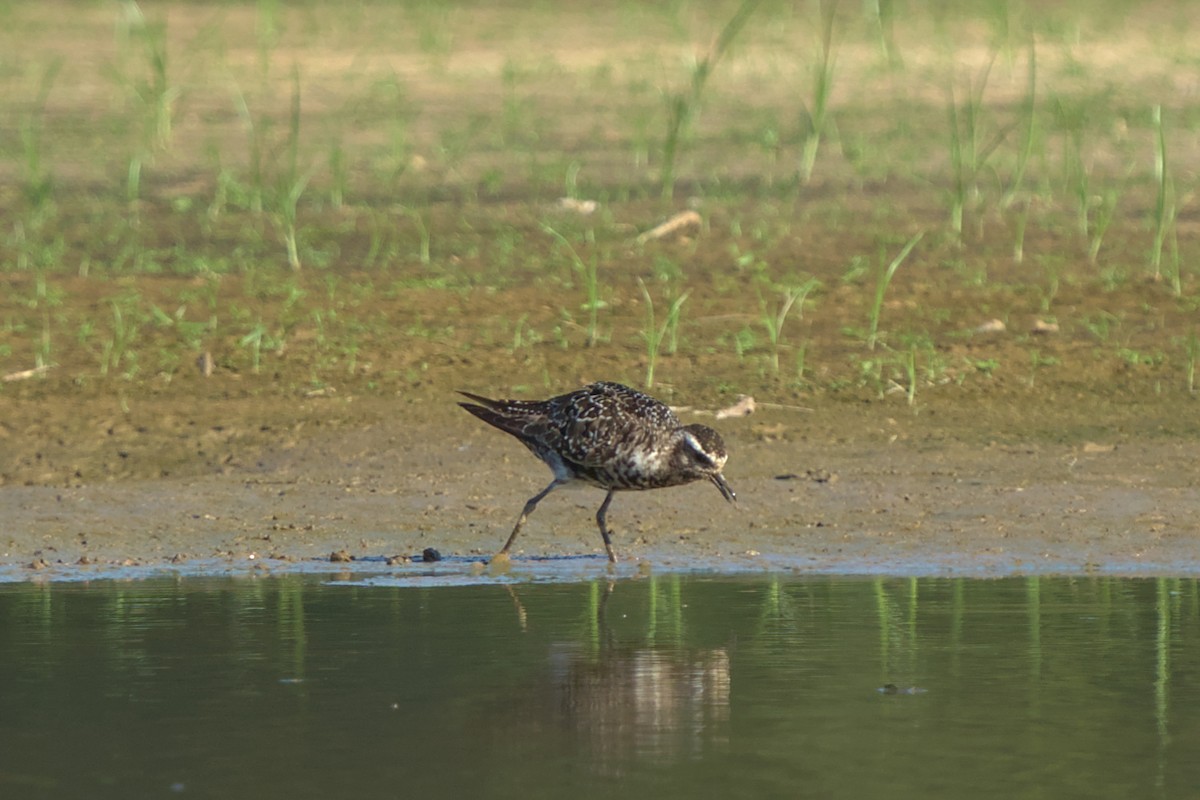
[(609, 436)]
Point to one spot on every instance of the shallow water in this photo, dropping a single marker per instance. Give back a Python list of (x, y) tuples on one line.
[(676, 686)]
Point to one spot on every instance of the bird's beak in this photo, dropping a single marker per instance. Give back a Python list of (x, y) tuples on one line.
[(719, 481)]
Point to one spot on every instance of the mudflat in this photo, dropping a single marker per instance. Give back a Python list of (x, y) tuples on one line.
[(845, 489)]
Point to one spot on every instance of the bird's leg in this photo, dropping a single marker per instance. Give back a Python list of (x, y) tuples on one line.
[(529, 507), (612, 556)]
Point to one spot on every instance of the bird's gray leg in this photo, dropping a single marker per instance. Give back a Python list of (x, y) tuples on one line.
[(529, 507), (612, 556)]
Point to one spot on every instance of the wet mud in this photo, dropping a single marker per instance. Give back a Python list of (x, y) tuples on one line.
[(842, 490)]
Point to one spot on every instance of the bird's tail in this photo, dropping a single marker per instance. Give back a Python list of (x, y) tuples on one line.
[(510, 416)]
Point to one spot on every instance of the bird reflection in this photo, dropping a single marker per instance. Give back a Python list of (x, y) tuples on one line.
[(627, 703)]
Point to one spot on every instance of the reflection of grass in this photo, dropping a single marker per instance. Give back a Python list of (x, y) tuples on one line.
[(897, 617)]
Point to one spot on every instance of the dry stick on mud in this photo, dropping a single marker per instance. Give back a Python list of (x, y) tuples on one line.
[(684, 219), (26, 373)]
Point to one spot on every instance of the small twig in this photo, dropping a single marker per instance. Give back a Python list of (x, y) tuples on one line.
[(27, 373), (683, 219), (723, 413), (781, 407)]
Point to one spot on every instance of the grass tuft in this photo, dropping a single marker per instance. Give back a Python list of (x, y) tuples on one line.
[(881, 286), (683, 106)]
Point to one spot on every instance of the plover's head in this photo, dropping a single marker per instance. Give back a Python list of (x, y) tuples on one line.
[(702, 453)]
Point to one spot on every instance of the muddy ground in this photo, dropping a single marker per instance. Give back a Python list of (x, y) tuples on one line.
[(177, 397), (841, 489)]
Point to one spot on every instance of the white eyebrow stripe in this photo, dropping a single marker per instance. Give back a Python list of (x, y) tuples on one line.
[(697, 448)]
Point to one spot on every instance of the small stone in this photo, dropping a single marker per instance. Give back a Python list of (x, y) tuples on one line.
[(340, 556), (992, 326), (744, 407), (821, 476), (429, 555), (1041, 326), (583, 207)]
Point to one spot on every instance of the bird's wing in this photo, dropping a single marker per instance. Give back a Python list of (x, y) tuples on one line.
[(609, 420)]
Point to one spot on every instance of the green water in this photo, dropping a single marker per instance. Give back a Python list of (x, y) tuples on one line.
[(668, 687)]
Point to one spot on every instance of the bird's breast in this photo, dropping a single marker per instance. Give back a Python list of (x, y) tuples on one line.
[(633, 470)]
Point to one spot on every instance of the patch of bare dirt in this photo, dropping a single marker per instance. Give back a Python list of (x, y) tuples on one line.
[(841, 489)]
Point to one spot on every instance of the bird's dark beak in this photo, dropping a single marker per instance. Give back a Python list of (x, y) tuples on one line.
[(719, 481)]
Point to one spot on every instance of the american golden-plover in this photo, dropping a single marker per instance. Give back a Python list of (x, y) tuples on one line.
[(610, 436)]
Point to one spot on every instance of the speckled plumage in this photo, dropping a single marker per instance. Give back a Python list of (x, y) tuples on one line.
[(610, 436)]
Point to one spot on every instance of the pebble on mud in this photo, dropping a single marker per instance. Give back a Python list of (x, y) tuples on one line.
[(743, 407), (814, 475), (1041, 326), (583, 207)]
